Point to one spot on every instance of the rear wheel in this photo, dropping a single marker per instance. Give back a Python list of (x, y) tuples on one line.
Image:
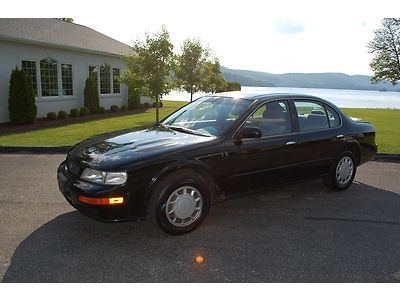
[(180, 201), (342, 172)]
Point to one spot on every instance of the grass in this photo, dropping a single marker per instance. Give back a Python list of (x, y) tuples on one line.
[(71, 134), (385, 121)]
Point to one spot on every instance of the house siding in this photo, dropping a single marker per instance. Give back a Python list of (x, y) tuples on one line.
[(12, 53)]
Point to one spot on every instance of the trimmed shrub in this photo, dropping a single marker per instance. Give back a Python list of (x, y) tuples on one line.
[(21, 100), (160, 104), (146, 105), (114, 108), (233, 86), (91, 95), (74, 113), (102, 110), (124, 108), (133, 99), (84, 111), (51, 116), (62, 114)]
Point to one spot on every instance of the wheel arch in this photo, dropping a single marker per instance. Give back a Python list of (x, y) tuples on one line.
[(355, 148), (191, 165)]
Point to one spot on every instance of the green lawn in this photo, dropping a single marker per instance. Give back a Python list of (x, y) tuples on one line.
[(385, 121), (71, 134), (387, 125)]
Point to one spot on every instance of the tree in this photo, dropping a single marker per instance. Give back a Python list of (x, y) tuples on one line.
[(196, 70), (212, 80), (21, 99), (149, 66), (91, 95), (189, 66), (386, 48)]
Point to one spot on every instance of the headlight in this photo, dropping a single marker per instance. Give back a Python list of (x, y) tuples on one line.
[(109, 178)]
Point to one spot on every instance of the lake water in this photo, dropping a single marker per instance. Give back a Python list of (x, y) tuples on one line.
[(342, 98)]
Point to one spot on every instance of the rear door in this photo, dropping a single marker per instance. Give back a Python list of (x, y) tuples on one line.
[(319, 135)]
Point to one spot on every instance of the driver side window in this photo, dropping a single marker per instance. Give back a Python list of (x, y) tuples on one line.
[(273, 118)]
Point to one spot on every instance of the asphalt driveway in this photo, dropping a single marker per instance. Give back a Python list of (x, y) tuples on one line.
[(299, 233)]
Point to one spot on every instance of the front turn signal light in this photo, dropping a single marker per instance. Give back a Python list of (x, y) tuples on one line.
[(101, 201)]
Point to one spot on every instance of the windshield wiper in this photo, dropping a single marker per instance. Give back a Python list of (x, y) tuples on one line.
[(186, 130)]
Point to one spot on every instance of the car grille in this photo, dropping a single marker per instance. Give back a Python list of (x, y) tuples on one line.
[(73, 167)]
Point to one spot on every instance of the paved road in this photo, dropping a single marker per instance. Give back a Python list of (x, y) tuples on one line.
[(300, 233)]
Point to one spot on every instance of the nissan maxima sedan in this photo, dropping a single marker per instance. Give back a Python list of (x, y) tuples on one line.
[(220, 144)]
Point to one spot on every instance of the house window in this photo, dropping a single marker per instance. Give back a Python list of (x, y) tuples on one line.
[(66, 78), (48, 77), (105, 79), (93, 72), (29, 67), (116, 84)]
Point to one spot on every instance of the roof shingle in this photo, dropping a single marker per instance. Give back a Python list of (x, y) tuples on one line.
[(54, 32)]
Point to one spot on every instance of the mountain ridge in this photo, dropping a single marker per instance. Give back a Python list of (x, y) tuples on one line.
[(326, 80)]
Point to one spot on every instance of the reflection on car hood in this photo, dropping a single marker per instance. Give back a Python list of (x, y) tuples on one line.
[(112, 151)]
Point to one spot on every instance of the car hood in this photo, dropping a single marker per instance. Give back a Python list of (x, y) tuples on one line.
[(119, 149)]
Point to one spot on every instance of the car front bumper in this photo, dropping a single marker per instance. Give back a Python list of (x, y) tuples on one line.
[(72, 188)]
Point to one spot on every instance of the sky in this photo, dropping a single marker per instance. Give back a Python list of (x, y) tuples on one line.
[(280, 36)]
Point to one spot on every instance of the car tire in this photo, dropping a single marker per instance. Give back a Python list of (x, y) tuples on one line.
[(180, 202), (342, 172)]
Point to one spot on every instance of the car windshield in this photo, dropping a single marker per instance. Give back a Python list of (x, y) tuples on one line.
[(210, 116)]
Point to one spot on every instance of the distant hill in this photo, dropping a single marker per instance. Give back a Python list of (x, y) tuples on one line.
[(306, 80)]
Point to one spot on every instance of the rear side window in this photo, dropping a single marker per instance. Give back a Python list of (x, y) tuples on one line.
[(311, 116), (333, 117)]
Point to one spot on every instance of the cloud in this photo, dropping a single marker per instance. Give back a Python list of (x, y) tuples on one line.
[(286, 26)]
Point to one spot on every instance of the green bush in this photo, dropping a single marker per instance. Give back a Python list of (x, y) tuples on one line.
[(91, 95), (21, 100), (114, 108), (74, 113), (141, 105), (62, 114), (102, 110), (124, 108), (51, 116), (133, 99), (160, 104), (84, 111), (233, 86), (146, 105)]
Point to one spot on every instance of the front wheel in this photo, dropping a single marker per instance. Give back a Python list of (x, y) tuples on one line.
[(180, 202), (342, 172)]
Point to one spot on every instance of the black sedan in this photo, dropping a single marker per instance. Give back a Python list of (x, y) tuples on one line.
[(215, 147)]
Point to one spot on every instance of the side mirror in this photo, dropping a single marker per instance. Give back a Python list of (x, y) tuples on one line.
[(248, 132)]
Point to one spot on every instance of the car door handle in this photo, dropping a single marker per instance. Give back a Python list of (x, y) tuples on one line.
[(291, 143), (340, 136)]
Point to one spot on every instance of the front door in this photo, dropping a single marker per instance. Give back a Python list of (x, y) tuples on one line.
[(256, 163)]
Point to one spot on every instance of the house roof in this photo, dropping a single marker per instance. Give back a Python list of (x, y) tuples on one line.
[(60, 34)]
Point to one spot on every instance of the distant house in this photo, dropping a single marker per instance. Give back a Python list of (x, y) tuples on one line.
[(58, 57)]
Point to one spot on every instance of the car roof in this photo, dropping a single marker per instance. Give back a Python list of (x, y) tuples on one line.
[(254, 95)]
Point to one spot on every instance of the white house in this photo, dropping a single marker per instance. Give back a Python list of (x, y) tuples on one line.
[(58, 57)]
